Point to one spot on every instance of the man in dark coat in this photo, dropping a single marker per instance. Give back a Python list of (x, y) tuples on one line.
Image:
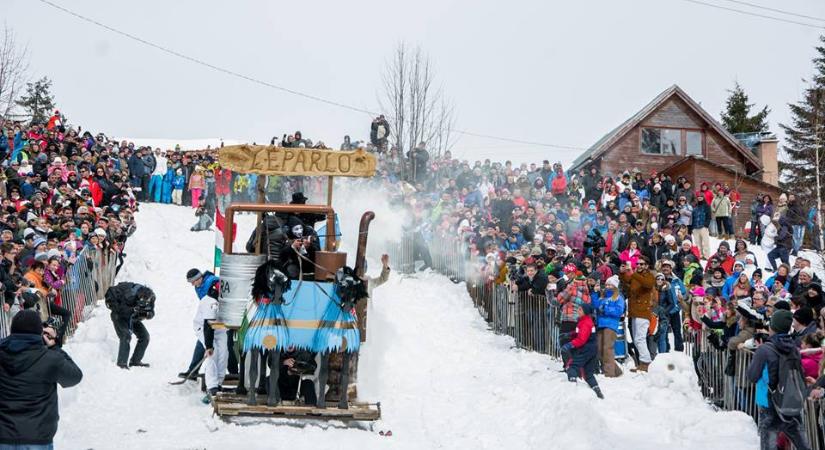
[(137, 169), (31, 366), (131, 303)]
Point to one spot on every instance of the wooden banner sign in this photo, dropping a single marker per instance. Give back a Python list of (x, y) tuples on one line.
[(271, 160)]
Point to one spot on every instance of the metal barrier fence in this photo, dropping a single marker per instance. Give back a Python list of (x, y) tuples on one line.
[(86, 281), (533, 325), (728, 388)]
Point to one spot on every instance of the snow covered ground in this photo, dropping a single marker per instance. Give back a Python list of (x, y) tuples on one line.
[(443, 379)]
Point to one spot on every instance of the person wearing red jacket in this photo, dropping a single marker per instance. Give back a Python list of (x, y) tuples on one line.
[(94, 187), (582, 351), (223, 188)]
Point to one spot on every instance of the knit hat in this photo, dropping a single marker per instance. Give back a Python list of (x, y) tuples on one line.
[(804, 316), (781, 321), (27, 232), (612, 281), (42, 256), (807, 271), (570, 268), (27, 321), (100, 232), (698, 291), (193, 275), (38, 242)]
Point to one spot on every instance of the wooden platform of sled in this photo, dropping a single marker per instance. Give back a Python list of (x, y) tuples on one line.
[(229, 405)]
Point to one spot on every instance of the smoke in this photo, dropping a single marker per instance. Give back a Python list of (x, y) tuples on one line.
[(351, 199)]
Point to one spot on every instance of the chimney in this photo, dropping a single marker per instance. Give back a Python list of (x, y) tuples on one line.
[(766, 151)]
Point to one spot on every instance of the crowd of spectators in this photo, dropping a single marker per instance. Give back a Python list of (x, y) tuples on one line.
[(628, 246), (63, 191)]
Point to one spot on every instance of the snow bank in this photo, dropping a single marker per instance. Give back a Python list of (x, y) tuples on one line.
[(443, 379)]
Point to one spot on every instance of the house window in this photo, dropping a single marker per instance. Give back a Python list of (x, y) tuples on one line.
[(693, 142), (661, 141)]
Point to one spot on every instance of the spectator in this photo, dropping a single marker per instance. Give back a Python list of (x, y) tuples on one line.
[(31, 367), (641, 299), (764, 371), (610, 308)]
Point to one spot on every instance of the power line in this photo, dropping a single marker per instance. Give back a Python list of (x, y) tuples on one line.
[(275, 86), (749, 13), (780, 11)]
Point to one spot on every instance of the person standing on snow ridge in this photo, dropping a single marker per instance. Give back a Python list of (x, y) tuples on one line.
[(31, 366), (641, 295)]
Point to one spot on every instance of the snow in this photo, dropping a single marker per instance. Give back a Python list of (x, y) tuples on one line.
[(443, 379)]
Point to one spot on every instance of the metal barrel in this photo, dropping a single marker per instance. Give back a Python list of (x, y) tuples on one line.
[(237, 274)]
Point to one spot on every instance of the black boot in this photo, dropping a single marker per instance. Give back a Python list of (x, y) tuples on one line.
[(123, 366), (252, 398), (138, 364), (598, 392)]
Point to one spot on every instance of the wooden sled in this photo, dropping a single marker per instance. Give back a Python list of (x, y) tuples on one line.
[(228, 405)]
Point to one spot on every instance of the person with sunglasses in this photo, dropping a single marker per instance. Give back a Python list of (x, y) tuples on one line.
[(641, 298)]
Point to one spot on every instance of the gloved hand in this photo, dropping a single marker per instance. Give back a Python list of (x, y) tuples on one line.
[(567, 348)]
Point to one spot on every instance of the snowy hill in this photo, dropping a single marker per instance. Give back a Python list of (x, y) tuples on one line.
[(443, 379)]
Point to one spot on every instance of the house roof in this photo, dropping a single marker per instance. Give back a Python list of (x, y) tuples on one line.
[(719, 166), (604, 144)]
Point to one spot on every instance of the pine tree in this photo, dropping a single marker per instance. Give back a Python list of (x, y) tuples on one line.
[(798, 170), (38, 101), (736, 117)]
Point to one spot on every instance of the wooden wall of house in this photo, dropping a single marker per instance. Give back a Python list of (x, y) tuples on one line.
[(626, 154)]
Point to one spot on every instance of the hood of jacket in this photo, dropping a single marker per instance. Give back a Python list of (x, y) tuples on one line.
[(19, 352)]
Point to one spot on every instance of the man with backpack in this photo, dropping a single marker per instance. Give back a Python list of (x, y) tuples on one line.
[(131, 304), (780, 387)]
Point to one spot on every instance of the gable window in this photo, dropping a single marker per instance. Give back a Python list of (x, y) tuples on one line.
[(693, 143), (661, 141)]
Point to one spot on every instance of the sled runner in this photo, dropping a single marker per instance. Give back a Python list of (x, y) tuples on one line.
[(227, 405)]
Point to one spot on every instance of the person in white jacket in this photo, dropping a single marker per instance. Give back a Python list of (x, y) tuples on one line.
[(156, 182), (213, 340)]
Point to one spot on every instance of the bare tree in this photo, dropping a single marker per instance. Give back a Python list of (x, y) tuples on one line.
[(417, 109), (13, 67)]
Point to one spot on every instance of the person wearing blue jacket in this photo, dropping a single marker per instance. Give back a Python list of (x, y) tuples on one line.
[(167, 183), (178, 183), (610, 307), (678, 292), (764, 371), (727, 288)]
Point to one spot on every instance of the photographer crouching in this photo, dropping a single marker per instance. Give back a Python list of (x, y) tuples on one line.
[(131, 304), (31, 366)]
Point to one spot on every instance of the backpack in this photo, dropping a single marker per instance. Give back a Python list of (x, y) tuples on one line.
[(788, 398)]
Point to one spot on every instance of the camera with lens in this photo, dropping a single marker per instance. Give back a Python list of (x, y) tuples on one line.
[(145, 307)]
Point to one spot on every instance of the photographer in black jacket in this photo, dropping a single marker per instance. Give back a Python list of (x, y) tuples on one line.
[(31, 365), (131, 303)]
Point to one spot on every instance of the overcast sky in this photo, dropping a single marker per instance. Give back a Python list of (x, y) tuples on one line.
[(547, 71)]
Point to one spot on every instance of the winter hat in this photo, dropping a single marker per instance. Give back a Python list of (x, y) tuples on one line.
[(660, 275), (807, 271), (612, 281), (42, 256), (698, 291), (27, 232), (193, 275), (782, 305), (670, 239), (27, 321), (53, 252), (38, 242), (100, 232), (781, 321), (804, 316), (666, 262), (738, 263), (570, 268)]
